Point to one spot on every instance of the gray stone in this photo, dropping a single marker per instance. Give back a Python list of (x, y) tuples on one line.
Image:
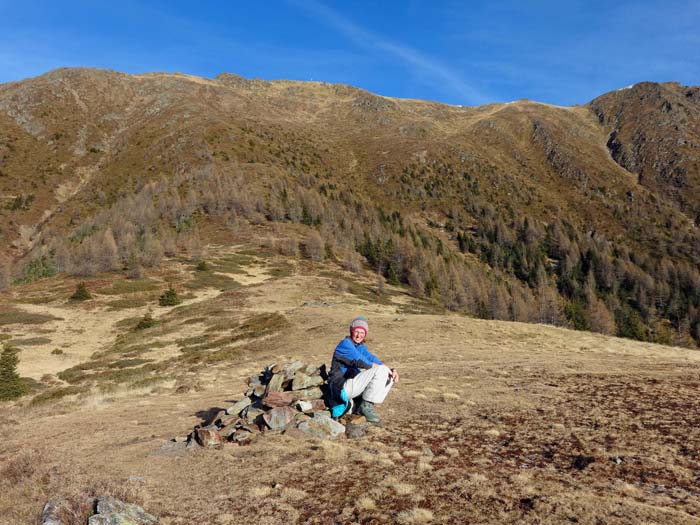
[(322, 426), (50, 514), (292, 368), (302, 381), (238, 406), (226, 432), (253, 411), (311, 370), (308, 394), (355, 430), (242, 436), (277, 382), (278, 418), (171, 449), (217, 417), (111, 511)]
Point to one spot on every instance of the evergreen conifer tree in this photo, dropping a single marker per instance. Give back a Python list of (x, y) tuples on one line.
[(11, 386)]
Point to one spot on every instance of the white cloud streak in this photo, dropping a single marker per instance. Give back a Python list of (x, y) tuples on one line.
[(428, 69)]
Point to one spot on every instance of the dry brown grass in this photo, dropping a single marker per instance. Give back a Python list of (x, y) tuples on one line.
[(502, 448)]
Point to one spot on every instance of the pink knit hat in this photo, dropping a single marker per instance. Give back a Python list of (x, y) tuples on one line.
[(359, 323)]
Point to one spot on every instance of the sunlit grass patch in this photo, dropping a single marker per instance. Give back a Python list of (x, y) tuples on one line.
[(11, 315), (128, 322), (292, 494), (222, 325), (449, 396), (210, 279), (233, 263), (129, 302), (41, 299), (195, 320), (280, 270), (259, 492), (366, 503), (56, 394), (30, 341), (417, 516), (126, 286)]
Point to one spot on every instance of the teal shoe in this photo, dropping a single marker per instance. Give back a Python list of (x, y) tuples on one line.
[(367, 410)]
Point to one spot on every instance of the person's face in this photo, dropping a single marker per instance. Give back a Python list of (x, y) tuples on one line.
[(358, 336)]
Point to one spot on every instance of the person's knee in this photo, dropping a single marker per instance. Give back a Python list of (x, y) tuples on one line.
[(383, 371)]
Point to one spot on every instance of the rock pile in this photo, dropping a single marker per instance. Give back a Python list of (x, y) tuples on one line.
[(103, 511), (288, 398)]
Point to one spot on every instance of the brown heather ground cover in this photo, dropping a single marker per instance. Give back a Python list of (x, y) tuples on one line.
[(493, 422)]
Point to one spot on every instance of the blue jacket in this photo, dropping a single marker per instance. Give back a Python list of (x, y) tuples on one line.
[(348, 360)]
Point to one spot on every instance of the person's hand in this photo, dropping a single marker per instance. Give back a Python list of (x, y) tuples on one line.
[(394, 376)]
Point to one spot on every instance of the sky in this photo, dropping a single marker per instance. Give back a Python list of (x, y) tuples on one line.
[(455, 52)]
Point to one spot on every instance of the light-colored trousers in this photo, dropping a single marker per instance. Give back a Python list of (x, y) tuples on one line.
[(372, 384)]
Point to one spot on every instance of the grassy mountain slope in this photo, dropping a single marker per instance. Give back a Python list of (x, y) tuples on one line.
[(512, 211)]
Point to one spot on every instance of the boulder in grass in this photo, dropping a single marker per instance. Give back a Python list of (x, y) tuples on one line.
[(111, 511), (321, 426), (51, 515)]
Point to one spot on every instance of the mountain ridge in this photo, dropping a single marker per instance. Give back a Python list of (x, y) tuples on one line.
[(77, 142)]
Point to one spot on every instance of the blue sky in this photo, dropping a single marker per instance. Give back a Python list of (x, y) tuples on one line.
[(564, 52)]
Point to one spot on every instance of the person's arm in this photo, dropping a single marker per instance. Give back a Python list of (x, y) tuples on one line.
[(394, 375), (369, 356), (348, 355)]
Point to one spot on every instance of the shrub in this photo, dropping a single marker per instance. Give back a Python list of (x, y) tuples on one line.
[(314, 248), (81, 293), (11, 386), (169, 298), (39, 268), (56, 351), (146, 321), (202, 266), (289, 247)]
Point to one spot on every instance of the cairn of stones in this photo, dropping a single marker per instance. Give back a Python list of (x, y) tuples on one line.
[(287, 398)]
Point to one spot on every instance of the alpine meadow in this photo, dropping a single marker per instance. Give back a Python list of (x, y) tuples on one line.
[(532, 270)]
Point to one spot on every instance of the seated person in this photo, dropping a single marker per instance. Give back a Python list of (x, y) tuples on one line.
[(356, 372)]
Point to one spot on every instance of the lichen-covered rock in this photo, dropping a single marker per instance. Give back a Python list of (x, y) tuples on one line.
[(302, 381), (322, 426), (238, 406), (278, 418), (50, 514), (111, 511)]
